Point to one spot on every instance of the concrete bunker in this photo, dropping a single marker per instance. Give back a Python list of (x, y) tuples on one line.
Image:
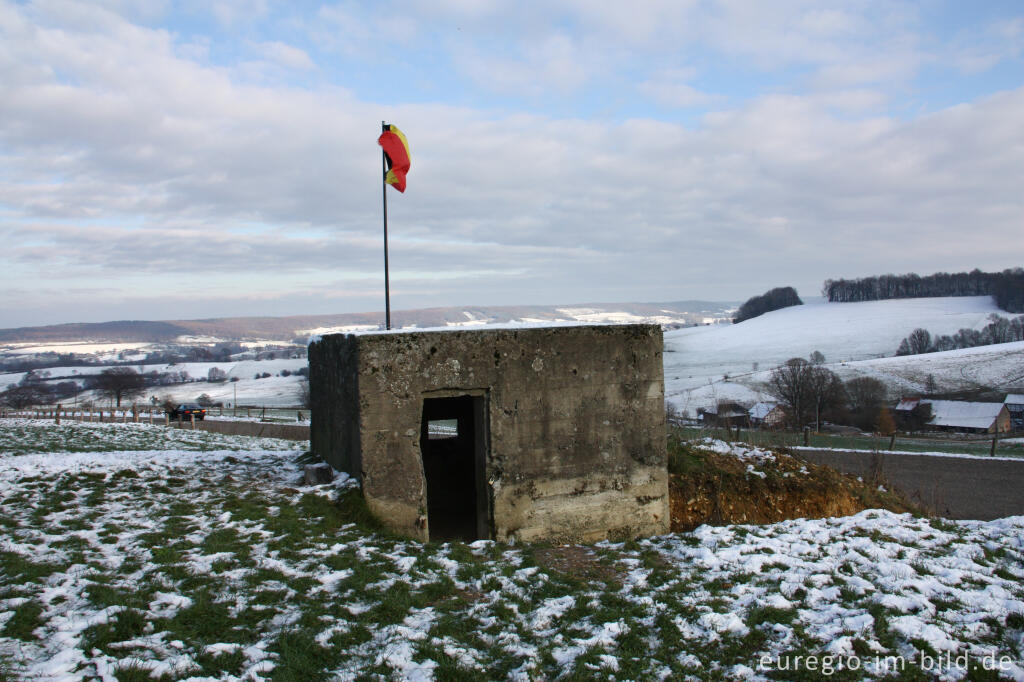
[(535, 433)]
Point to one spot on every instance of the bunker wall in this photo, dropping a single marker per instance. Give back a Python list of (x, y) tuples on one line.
[(334, 403), (576, 430)]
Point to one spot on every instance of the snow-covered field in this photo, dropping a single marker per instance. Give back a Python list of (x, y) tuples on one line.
[(181, 564), (857, 339), (272, 391)]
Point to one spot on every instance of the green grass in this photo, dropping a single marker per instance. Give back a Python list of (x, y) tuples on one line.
[(25, 620)]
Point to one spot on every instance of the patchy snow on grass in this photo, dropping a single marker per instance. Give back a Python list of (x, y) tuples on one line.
[(26, 436), (218, 564)]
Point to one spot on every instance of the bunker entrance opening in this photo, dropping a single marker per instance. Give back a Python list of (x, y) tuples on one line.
[(453, 441)]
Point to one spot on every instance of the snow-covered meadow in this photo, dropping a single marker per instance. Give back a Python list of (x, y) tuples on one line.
[(702, 364), (241, 384), (732, 362), (209, 561)]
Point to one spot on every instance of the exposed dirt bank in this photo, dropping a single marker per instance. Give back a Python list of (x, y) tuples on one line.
[(716, 483)]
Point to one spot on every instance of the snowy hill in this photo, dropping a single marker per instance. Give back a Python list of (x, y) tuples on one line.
[(85, 338), (857, 339)]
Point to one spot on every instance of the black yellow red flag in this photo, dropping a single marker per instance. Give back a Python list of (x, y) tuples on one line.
[(396, 153)]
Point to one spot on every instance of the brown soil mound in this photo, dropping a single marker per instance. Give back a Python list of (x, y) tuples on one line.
[(709, 487)]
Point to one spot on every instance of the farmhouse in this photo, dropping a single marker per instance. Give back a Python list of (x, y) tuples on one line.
[(962, 415), (727, 414), (767, 414), (531, 433)]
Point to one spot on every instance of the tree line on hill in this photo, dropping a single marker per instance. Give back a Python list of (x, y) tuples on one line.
[(998, 330), (780, 297), (1006, 287)]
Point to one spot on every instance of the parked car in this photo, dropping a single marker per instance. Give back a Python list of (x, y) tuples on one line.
[(186, 411)]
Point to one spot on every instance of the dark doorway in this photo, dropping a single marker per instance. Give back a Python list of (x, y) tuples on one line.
[(453, 440)]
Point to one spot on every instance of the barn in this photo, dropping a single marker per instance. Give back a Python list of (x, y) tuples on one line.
[(553, 433), (971, 417)]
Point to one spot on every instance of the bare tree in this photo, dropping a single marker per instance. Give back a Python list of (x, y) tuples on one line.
[(919, 341), (788, 383), (866, 396), (31, 390), (998, 329), (824, 390), (118, 383), (23, 395), (807, 391)]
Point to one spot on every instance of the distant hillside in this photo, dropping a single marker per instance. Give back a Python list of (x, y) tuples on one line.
[(124, 331), (298, 327), (706, 364), (1006, 287)]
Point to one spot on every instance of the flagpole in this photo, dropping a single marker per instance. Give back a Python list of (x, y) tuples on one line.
[(384, 187)]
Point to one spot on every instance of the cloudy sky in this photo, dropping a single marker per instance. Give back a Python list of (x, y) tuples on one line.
[(168, 160)]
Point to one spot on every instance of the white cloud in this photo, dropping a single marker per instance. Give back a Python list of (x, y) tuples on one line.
[(553, 63), (126, 160), (286, 55), (999, 41), (671, 88), (231, 13)]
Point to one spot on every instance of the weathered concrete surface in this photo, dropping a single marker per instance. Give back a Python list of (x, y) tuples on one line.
[(952, 487), (298, 432), (317, 474), (575, 424)]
